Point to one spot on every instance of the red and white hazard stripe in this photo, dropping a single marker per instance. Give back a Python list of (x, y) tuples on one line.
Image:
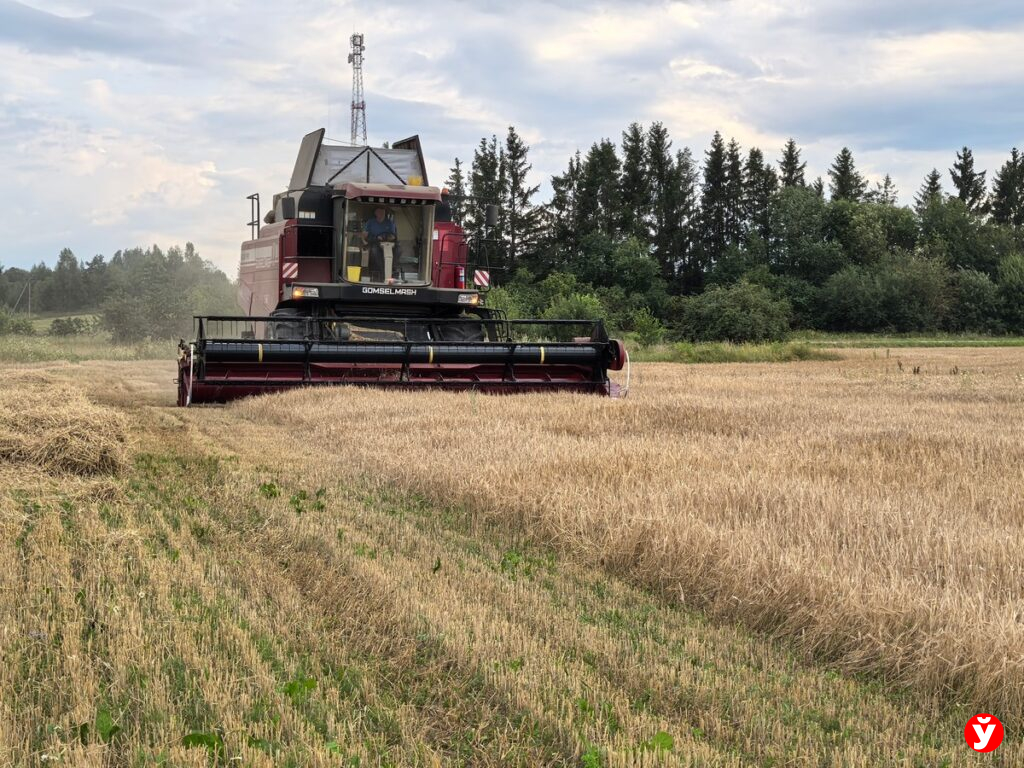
[(290, 270), (482, 278)]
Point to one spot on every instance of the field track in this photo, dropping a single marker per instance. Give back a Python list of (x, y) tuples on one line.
[(813, 563)]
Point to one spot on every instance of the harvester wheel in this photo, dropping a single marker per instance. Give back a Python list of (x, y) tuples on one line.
[(288, 331), (469, 330)]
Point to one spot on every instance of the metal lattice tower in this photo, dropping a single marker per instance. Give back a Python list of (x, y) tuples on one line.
[(355, 58)]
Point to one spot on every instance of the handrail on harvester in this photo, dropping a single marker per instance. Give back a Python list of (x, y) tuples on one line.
[(596, 333)]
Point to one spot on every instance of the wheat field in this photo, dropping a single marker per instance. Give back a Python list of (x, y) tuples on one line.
[(813, 563)]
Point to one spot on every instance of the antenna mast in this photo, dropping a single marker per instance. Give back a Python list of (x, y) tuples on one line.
[(355, 58)]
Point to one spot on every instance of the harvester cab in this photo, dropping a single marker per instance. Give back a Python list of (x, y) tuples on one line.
[(358, 275)]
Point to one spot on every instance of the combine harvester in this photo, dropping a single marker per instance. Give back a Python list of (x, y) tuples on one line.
[(359, 277)]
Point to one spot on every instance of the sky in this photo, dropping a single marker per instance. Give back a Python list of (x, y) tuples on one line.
[(129, 123)]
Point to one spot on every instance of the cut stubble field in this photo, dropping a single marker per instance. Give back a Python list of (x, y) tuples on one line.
[(804, 563)]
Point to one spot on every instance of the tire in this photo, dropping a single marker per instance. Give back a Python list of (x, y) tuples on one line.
[(292, 331), (468, 330)]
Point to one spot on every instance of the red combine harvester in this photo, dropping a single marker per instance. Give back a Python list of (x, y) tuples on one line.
[(359, 276)]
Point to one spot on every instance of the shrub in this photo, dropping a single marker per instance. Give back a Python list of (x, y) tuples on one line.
[(801, 294), (975, 303), (740, 313), (1011, 291), (575, 306), (506, 299), (647, 328), (901, 292), (851, 300), (70, 326), (15, 324)]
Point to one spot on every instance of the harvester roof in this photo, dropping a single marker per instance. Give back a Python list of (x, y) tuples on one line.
[(384, 193)]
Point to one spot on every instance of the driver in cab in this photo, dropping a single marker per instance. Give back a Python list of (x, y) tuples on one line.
[(377, 230)]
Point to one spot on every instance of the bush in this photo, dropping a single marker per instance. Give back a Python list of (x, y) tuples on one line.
[(975, 303), (801, 295), (15, 324), (1011, 291), (851, 300), (575, 306), (647, 329), (71, 326), (901, 292), (508, 300), (743, 312)]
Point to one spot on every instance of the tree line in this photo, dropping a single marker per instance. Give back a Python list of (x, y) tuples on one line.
[(137, 294), (737, 245)]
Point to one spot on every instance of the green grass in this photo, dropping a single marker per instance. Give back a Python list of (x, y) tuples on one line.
[(806, 345), (868, 340), (724, 352), (74, 349)]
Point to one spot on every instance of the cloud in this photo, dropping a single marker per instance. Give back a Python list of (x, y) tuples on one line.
[(111, 31), (882, 17)]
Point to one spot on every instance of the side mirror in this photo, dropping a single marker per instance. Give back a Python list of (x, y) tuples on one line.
[(491, 212)]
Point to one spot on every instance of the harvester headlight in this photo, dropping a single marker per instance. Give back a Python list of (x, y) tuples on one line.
[(301, 292), (469, 298)]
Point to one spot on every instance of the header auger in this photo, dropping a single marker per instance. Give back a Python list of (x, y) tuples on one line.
[(358, 276)]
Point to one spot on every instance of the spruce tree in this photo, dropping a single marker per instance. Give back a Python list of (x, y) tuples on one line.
[(522, 219), (456, 186), (66, 294), (1007, 202), (791, 169), (818, 187), (635, 186), (931, 190), (970, 184), (488, 185), (735, 220), (686, 248), (600, 202), (885, 192), (845, 182), (563, 210), (714, 201), (483, 181), (760, 184), (662, 194)]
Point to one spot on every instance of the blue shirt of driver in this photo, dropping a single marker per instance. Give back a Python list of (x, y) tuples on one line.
[(375, 228)]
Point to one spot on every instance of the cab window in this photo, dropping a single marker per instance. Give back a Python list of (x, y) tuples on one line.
[(386, 243)]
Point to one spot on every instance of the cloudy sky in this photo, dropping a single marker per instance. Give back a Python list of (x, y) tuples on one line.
[(129, 123)]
